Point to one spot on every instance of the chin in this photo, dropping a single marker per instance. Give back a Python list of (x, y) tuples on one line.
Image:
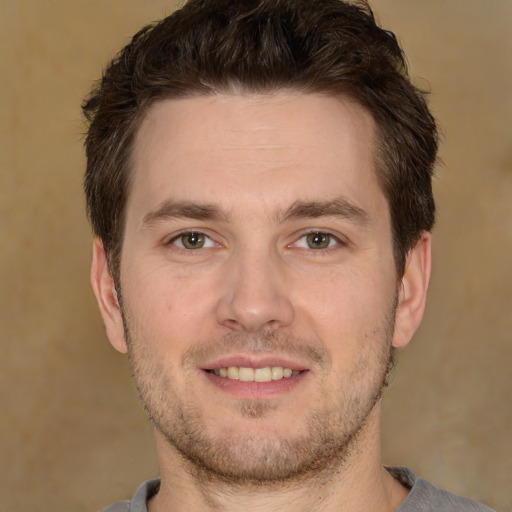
[(259, 455)]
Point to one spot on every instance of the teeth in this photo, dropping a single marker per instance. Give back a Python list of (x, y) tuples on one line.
[(277, 373), (245, 374), (265, 374), (233, 373)]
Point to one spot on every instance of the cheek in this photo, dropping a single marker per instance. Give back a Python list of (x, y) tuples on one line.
[(165, 307), (351, 303)]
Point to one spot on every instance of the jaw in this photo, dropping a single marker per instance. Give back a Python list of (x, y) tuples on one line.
[(261, 440), (336, 475)]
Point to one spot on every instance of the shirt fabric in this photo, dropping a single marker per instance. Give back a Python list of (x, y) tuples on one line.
[(423, 497)]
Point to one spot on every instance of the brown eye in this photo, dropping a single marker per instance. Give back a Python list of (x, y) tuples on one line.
[(318, 240)]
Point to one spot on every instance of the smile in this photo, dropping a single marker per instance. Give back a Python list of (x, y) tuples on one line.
[(247, 374)]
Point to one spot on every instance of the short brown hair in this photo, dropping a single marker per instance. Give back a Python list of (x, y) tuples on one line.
[(217, 46)]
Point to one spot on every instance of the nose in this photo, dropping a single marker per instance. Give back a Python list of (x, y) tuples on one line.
[(255, 293)]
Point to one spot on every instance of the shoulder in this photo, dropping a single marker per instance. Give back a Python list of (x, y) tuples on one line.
[(425, 497), (139, 500)]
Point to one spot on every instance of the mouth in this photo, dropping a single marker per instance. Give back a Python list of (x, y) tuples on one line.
[(248, 374)]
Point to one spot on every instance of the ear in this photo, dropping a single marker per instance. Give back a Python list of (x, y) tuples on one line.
[(413, 291), (106, 295)]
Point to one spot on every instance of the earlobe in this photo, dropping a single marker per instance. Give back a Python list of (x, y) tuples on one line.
[(413, 291), (106, 295)]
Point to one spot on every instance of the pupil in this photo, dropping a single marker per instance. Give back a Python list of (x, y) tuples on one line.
[(318, 240), (193, 240)]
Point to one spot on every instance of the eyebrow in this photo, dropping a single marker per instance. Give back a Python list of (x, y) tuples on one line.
[(338, 207), (184, 210)]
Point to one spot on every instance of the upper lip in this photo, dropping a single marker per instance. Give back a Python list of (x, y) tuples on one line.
[(254, 361)]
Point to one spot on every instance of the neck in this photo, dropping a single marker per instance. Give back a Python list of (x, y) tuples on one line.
[(357, 483)]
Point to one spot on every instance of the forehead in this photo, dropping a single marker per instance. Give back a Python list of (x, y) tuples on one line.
[(262, 149)]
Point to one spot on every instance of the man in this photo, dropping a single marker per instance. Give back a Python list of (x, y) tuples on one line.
[(259, 184)]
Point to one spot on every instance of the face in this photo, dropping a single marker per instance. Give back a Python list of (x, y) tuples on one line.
[(259, 294)]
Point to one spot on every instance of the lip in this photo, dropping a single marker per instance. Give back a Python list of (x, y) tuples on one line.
[(255, 390)]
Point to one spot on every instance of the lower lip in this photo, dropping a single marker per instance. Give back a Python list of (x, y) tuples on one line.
[(255, 390)]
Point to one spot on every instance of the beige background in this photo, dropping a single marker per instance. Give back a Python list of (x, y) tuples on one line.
[(72, 434)]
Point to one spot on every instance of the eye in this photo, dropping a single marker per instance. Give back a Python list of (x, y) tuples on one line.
[(192, 240), (317, 240)]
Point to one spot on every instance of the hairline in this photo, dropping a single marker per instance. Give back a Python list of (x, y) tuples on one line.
[(240, 89)]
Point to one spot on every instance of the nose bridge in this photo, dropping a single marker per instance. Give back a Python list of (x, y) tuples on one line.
[(255, 290)]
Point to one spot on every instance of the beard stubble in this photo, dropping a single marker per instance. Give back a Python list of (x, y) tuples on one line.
[(331, 428)]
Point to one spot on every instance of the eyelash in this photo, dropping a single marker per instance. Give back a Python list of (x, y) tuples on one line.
[(332, 242), (183, 234)]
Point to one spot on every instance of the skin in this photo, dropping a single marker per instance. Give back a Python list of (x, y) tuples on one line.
[(253, 176)]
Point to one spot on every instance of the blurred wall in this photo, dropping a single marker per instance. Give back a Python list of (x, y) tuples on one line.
[(73, 436)]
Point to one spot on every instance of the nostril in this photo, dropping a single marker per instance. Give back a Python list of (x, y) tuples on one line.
[(253, 294), (244, 316)]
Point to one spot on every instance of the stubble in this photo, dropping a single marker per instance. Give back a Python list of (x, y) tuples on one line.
[(331, 429)]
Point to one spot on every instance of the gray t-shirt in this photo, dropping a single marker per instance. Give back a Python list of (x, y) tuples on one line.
[(423, 497)]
